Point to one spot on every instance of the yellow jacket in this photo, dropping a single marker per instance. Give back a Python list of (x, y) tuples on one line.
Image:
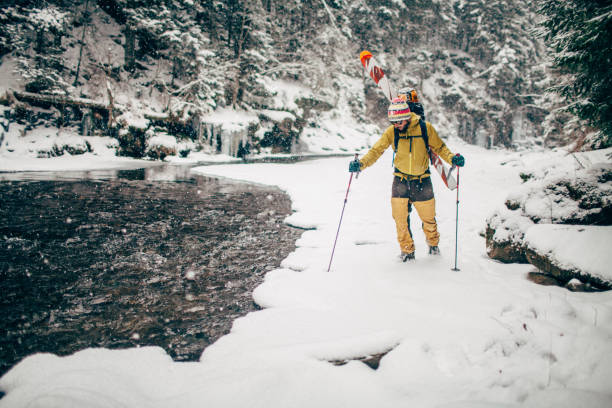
[(411, 157)]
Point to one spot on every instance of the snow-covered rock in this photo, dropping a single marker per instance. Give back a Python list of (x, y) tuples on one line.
[(562, 200), (572, 252), (505, 233), (579, 196)]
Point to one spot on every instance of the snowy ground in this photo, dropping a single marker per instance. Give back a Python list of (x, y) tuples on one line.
[(481, 337)]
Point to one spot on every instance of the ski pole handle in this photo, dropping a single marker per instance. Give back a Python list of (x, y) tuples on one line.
[(357, 159)]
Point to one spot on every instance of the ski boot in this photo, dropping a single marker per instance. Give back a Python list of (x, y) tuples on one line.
[(434, 250), (405, 256)]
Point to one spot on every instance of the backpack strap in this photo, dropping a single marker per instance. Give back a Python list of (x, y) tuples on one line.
[(424, 134), (396, 139)]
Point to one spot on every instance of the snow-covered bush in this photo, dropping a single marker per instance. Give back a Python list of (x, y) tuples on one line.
[(73, 148), (184, 148), (159, 146), (132, 142)]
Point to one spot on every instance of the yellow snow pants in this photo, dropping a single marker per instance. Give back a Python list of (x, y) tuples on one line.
[(401, 208)]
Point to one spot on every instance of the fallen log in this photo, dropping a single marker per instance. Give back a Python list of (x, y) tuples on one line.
[(29, 97)]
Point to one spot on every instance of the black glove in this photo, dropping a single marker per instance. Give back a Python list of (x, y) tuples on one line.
[(458, 160), (354, 166)]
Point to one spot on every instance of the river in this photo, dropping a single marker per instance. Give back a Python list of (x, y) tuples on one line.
[(116, 259)]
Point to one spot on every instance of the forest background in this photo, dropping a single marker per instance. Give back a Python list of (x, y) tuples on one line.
[(146, 72)]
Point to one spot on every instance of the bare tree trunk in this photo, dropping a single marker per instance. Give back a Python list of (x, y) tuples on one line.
[(85, 23), (238, 49), (111, 103), (130, 48)]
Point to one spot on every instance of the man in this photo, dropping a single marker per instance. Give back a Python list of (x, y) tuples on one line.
[(411, 181)]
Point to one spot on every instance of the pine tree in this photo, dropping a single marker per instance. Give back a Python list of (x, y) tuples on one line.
[(580, 34)]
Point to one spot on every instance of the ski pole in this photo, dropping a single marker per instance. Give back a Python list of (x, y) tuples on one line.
[(342, 215), (457, 224)]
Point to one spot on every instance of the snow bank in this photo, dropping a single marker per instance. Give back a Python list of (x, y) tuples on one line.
[(230, 120), (67, 163), (48, 149), (558, 188), (575, 247)]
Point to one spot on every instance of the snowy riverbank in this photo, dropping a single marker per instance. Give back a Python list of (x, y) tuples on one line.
[(484, 336)]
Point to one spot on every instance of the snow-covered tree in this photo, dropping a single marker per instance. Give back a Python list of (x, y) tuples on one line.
[(475, 62), (580, 34)]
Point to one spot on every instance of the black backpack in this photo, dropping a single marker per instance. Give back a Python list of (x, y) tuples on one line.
[(413, 101), (417, 108)]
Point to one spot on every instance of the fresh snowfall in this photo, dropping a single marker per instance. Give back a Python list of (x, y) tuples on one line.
[(484, 336)]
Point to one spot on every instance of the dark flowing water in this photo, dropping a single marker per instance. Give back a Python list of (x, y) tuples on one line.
[(141, 257)]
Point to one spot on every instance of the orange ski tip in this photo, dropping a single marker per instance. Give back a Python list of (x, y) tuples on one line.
[(365, 55)]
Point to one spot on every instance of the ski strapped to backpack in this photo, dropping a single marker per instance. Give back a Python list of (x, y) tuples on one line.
[(378, 75)]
